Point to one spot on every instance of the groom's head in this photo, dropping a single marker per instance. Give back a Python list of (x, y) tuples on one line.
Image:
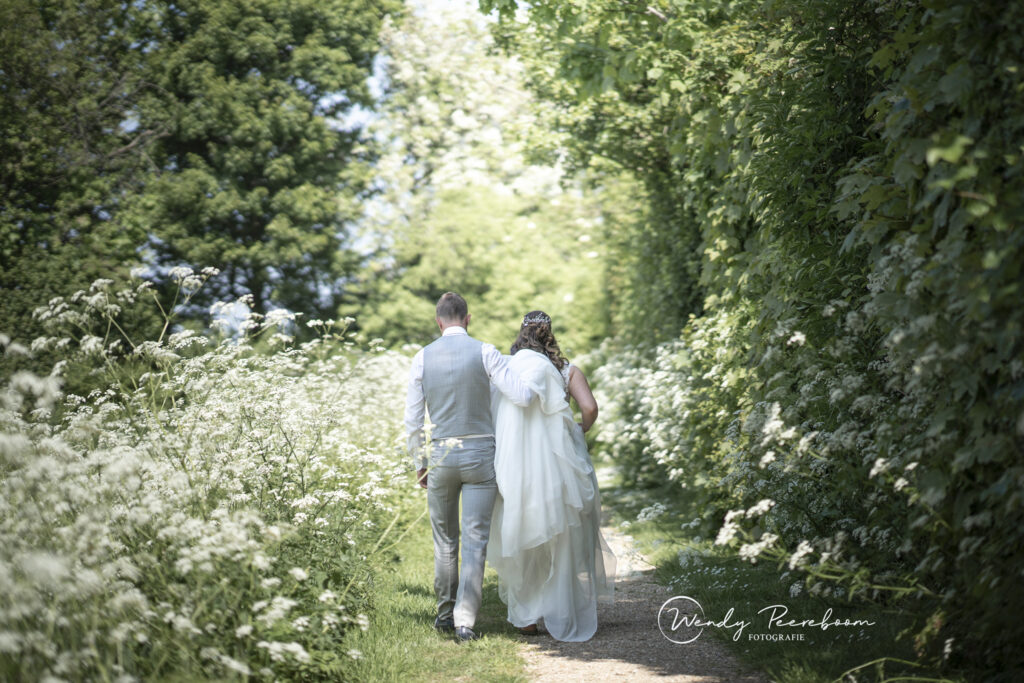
[(452, 310)]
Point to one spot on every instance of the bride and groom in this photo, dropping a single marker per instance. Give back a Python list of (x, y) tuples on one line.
[(503, 438)]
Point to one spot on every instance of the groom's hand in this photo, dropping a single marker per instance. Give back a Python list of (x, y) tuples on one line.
[(421, 477)]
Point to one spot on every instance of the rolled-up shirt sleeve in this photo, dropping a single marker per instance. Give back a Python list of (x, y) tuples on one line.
[(415, 405), (503, 377)]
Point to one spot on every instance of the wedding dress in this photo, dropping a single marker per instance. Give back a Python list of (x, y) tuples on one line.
[(546, 544)]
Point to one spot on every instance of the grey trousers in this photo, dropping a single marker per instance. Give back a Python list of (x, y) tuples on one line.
[(467, 470)]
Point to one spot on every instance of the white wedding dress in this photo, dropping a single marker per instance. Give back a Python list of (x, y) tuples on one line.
[(546, 544)]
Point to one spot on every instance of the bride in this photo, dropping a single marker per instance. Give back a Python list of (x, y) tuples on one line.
[(546, 544)]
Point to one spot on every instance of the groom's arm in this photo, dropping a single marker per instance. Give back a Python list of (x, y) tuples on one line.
[(504, 378), (414, 412)]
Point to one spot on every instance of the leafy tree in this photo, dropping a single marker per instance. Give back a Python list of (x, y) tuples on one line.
[(71, 151), (609, 122), (206, 133), (462, 207), (260, 173)]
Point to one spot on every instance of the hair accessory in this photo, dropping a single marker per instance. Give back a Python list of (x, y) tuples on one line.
[(536, 318)]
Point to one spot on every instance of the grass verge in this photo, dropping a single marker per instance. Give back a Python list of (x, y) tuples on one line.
[(719, 580), (401, 644)]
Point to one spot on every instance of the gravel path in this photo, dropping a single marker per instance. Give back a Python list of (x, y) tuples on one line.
[(628, 645)]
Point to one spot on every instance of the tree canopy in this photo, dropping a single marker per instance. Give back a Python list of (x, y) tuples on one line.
[(260, 175), (71, 150), (188, 133), (462, 205)]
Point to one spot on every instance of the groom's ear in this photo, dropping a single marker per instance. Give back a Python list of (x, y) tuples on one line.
[(465, 323)]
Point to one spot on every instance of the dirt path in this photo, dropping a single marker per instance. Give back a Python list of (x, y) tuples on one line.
[(628, 645)]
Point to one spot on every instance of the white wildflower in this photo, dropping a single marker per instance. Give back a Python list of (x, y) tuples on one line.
[(278, 317), (192, 283), (803, 549), (10, 643), (762, 506), (16, 349), (179, 273), (45, 569), (751, 551), (276, 611), (232, 664), (651, 512), (729, 529), (881, 465), (91, 344)]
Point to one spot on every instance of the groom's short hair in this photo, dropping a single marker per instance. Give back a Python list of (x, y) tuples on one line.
[(452, 307)]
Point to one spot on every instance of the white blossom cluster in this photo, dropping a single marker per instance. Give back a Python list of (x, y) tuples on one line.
[(680, 409), (190, 517)]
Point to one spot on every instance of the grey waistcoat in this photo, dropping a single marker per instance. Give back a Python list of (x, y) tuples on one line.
[(456, 387)]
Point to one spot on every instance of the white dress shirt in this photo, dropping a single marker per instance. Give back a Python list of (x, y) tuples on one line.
[(497, 370)]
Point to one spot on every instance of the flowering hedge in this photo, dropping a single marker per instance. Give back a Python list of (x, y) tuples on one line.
[(208, 510), (848, 393)]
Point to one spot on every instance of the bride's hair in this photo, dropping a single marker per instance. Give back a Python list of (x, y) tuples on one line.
[(536, 335)]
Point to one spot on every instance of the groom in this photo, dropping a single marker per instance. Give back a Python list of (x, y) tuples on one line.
[(451, 377)]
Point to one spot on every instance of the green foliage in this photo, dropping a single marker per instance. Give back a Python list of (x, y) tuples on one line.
[(497, 251), (210, 511), (852, 174), (70, 81), (215, 133), (461, 207), (256, 176), (402, 623), (669, 530), (599, 131)]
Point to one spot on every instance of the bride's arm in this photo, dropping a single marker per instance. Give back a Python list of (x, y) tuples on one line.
[(579, 389)]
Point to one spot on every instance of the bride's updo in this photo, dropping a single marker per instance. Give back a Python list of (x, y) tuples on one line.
[(536, 335)]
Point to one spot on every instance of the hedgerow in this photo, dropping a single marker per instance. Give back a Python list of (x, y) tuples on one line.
[(848, 397)]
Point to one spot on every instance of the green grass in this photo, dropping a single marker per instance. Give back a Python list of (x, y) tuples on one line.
[(719, 580), (401, 644)]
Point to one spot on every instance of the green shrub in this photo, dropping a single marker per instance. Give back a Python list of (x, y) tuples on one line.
[(853, 175)]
